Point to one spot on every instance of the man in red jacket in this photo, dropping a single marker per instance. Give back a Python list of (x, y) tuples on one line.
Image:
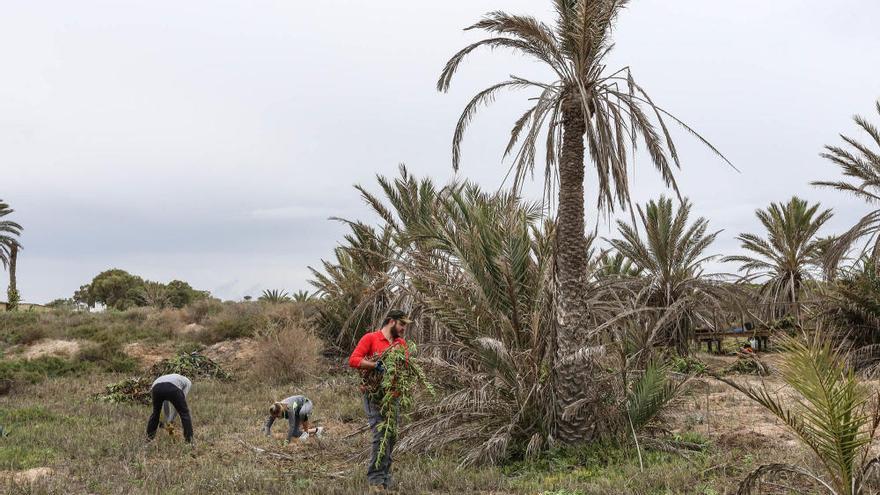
[(367, 357)]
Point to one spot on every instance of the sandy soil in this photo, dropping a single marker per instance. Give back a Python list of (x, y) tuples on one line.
[(52, 347), (27, 476), (189, 329), (729, 417), (235, 354), (147, 354)]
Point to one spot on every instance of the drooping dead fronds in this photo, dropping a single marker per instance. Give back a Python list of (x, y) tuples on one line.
[(617, 111)]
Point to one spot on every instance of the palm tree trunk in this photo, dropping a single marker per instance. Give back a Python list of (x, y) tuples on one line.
[(569, 383), (12, 292)]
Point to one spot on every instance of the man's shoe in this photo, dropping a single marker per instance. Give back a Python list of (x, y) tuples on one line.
[(319, 431)]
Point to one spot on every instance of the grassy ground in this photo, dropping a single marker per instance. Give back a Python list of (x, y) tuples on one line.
[(99, 448), (95, 447)]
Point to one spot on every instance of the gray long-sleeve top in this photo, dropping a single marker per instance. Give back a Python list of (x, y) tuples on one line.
[(298, 408), (181, 382)]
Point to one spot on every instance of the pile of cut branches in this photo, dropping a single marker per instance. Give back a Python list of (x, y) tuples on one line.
[(137, 389), (748, 364)]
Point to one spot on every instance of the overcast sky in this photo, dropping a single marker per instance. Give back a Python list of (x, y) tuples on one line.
[(211, 140)]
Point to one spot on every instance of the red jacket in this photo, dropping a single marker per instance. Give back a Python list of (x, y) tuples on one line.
[(371, 345)]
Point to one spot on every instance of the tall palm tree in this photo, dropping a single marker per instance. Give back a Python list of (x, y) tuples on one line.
[(670, 256), (9, 246), (9, 232), (862, 164), (585, 99), (788, 252)]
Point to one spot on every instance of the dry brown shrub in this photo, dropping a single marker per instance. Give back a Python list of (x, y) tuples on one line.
[(291, 354), (199, 311), (167, 319)]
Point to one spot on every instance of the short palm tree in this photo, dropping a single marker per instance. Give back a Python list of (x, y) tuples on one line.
[(302, 296), (610, 264), (861, 164), (833, 414), (670, 255), (585, 101), (787, 255), (274, 296), (153, 294)]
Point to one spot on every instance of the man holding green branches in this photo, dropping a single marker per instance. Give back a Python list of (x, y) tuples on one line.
[(367, 358)]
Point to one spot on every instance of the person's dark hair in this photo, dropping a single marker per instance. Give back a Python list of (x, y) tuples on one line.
[(396, 314)]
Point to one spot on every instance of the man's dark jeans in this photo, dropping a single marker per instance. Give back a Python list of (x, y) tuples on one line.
[(170, 392), (380, 475)]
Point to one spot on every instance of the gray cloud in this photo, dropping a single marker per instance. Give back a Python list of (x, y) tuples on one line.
[(210, 141)]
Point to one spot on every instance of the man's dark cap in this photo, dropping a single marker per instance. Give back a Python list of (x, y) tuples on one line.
[(401, 316)]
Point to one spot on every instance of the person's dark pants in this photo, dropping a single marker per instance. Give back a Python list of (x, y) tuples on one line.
[(380, 475), (170, 392)]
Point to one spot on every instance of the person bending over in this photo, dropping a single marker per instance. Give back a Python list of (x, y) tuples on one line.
[(296, 410), (170, 389)]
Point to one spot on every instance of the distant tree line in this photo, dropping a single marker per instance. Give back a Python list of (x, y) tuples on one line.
[(121, 290)]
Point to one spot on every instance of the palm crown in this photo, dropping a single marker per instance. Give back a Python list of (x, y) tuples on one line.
[(788, 251), (574, 48), (9, 232), (862, 164), (670, 256)]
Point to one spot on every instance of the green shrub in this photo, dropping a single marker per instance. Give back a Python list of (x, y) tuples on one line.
[(24, 336), (233, 322), (20, 327), (39, 369), (689, 365), (107, 357), (188, 347)]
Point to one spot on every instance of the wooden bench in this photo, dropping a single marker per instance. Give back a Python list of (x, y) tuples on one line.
[(710, 336)]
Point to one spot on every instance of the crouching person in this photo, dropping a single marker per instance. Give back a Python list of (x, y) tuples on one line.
[(170, 389), (296, 411)]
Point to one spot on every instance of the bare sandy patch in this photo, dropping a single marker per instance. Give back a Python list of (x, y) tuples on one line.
[(146, 354), (235, 354), (28, 476), (52, 347), (190, 329)]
